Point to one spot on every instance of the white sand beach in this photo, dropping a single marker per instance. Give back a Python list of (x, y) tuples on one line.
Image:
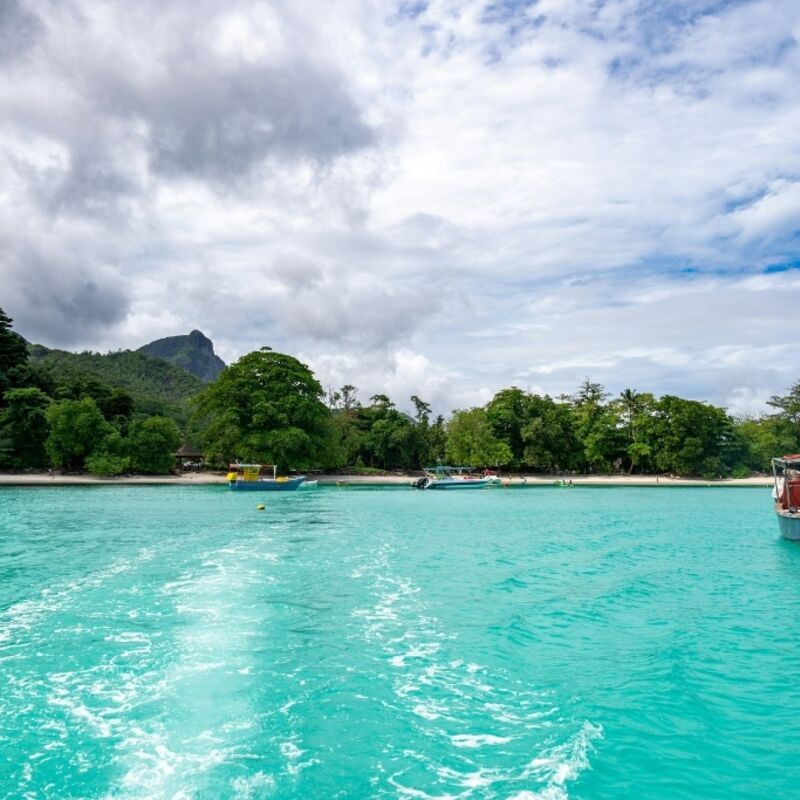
[(202, 478)]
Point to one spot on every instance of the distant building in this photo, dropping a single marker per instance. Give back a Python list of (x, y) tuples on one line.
[(189, 457)]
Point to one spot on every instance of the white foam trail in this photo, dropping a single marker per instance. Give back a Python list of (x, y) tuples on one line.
[(562, 763), (478, 740), (26, 614), (169, 758), (254, 786)]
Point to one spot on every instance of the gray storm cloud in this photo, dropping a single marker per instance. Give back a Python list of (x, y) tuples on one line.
[(19, 30), (218, 124), (61, 298)]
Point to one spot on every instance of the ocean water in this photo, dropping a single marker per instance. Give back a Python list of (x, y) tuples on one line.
[(546, 643)]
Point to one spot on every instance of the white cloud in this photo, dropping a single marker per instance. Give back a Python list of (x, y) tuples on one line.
[(440, 203)]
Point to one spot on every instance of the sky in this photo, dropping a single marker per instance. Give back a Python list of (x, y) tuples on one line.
[(434, 198)]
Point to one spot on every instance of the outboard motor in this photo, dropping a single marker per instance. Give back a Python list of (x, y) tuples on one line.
[(422, 483)]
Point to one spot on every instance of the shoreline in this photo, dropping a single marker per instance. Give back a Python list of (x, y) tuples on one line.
[(209, 478)]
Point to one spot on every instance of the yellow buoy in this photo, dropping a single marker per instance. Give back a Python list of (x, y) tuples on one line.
[(260, 506)]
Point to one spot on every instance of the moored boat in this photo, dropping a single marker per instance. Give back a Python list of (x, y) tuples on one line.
[(451, 478), (253, 477), (787, 495)]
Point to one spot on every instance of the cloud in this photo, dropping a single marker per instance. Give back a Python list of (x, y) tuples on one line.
[(459, 195), (58, 297), (774, 215), (296, 272), (218, 122), (20, 28)]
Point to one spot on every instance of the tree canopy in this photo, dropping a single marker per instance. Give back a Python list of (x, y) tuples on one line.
[(13, 356), (267, 407)]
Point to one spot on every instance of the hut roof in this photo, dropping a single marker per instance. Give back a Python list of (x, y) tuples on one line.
[(188, 451)]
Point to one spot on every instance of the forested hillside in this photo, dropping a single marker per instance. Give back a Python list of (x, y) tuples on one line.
[(155, 386)]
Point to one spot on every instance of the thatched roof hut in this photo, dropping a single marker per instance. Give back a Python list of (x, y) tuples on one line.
[(189, 453)]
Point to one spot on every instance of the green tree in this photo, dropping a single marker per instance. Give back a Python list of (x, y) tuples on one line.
[(764, 439), (387, 435), (267, 407), (152, 444), (13, 356), (77, 428), (423, 435), (437, 443), (349, 397), (596, 426), (688, 437), (508, 412), (117, 407), (472, 443), (633, 409), (24, 427), (788, 405), (106, 465), (549, 435), (421, 408), (638, 454), (630, 403)]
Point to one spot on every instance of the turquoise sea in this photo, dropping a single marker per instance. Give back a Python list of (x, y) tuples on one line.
[(546, 643)]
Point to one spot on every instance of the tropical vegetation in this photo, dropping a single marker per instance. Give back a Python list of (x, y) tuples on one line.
[(130, 411)]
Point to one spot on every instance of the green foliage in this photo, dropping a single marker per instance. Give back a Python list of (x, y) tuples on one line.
[(77, 429), (380, 435), (766, 438), (788, 405), (435, 443), (24, 427), (596, 427), (347, 439), (638, 454), (687, 437), (152, 444), (471, 442), (266, 407), (122, 384), (387, 435), (106, 465), (507, 414), (549, 435), (539, 432), (13, 356)]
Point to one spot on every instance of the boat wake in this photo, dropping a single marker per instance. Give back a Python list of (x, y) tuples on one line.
[(489, 733)]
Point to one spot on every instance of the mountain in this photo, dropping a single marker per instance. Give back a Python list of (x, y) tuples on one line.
[(156, 386), (194, 353)]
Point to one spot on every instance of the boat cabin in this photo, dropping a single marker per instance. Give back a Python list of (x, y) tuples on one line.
[(787, 482), (251, 472), (443, 471)]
